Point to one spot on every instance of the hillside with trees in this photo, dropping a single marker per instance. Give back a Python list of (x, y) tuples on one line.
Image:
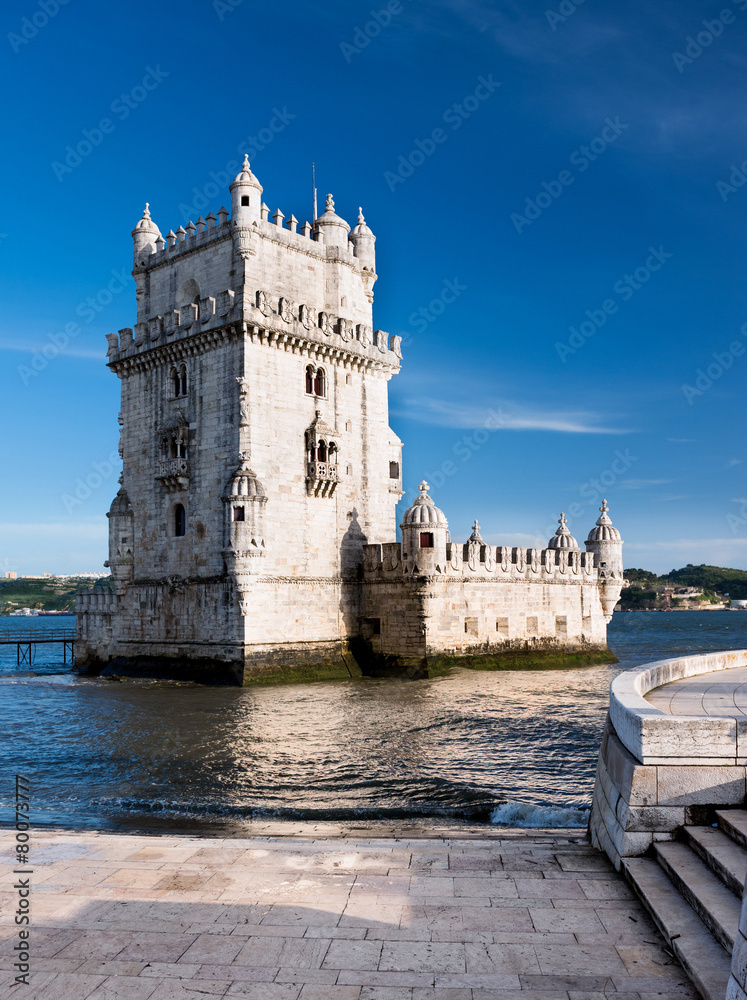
[(717, 585)]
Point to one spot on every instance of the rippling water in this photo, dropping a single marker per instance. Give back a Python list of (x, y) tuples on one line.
[(514, 747)]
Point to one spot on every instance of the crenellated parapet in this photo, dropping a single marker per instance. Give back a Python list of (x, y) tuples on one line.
[(467, 561)]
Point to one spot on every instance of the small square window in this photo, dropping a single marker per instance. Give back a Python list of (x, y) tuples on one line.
[(245, 200), (561, 625), (238, 513), (501, 626), (426, 539), (532, 626), (471, 626), (394, 470)]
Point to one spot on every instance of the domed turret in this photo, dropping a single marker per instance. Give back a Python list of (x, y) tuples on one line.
[(120, 562), (362, 240), (145, 236), (424, 535), (605, 542), (244, 501), (246, 196), (334, 229), (562, 539)]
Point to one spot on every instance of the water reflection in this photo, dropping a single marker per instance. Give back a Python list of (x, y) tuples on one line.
[(123, 755)]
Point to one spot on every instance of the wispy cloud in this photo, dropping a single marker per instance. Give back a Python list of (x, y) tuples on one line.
[(732, 462), (73, 352), (639, 484), (503, 416)]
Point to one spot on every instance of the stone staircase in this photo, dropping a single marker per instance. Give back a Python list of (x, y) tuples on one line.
[(693, 890)]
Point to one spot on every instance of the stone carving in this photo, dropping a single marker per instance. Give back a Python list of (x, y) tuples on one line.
[(286, 310)]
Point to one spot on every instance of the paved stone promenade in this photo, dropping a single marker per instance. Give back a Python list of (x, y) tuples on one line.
[(311, 912)]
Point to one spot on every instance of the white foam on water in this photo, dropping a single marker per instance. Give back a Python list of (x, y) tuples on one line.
[(522, 814)]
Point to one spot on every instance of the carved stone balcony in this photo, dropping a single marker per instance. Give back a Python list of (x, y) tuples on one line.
[(321, 478), (173, 474)]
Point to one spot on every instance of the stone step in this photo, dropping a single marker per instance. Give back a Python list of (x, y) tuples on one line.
[(723, 856), (702, 957), (734, 824), (717, 907)]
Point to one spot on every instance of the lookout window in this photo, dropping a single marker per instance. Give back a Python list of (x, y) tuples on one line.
[(179, 380), (470, 626), (394, 470), (238, 513), (426, 539), (245, 200), (180, 521)]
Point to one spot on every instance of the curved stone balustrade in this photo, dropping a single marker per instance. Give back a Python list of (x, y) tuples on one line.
[(658, 772)]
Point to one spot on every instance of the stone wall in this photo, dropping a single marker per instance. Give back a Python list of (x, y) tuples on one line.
[(659, 772)]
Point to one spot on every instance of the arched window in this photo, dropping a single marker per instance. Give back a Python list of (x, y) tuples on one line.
[(322, 452), (310, 380), (175, 382), (173, 449), (320, 383), (183, 380), (180, 521), (332, 453)]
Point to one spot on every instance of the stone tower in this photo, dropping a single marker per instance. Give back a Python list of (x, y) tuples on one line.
[(254, 530), (258, 458)]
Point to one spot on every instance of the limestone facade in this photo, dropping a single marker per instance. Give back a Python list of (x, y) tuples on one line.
[(255, 523)]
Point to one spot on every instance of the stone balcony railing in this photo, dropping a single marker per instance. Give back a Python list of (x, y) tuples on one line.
[(173, 474), (322, 478)]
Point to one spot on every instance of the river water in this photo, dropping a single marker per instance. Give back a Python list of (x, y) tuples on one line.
[(508, 747)]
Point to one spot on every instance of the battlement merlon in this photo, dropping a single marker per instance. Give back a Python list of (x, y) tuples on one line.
[(472, 561), (326, 265), (283, 324)]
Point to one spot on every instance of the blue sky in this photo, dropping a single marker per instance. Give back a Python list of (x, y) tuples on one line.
[(564, 255)]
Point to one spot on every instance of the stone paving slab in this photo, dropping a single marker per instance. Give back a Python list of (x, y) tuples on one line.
[(321, 912), (721, 693)]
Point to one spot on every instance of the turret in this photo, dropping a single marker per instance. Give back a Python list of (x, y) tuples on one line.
[(244, 501), (145, 237), (246, 196), (333, 228), (563, 539), (362, 241), (605, 542), (425, 532), (120, 561)]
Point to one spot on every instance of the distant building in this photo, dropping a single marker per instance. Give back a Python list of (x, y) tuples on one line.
[(255, 524), (740, 605), (11, 575)]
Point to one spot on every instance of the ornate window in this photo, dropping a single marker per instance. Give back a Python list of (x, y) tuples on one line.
[(180, 521), (316, 381), (179, 381)]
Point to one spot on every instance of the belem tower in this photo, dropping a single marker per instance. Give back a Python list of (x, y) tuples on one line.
[(254, 530)]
